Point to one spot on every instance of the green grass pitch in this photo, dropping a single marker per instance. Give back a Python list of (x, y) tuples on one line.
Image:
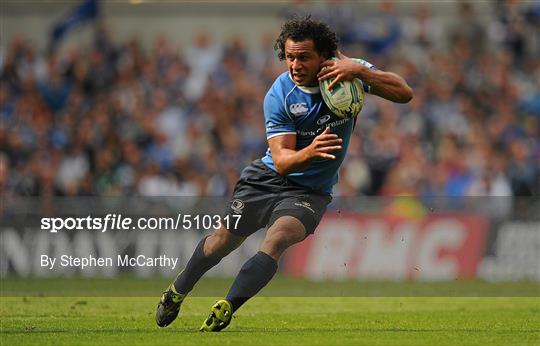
[(271, 320)]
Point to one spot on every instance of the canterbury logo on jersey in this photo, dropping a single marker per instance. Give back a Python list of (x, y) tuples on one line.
[(299, 109)]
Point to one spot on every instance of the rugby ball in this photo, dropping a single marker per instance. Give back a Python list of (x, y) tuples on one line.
[(346, 99)]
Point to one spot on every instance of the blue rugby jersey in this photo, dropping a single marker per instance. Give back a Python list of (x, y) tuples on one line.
[(291, 109)]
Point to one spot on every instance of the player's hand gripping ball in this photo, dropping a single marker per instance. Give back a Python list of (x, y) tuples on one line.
[(346, 99)]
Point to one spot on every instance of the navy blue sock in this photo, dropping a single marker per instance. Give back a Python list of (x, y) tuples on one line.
[(197, 265), (254, 275)]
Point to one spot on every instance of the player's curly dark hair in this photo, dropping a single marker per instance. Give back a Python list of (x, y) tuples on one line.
[(302, 28)]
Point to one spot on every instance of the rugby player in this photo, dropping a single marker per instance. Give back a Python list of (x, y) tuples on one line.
[(286, 191)]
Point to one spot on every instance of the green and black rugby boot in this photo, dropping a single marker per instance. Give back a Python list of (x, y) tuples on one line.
[(219, 318), (168, 306)]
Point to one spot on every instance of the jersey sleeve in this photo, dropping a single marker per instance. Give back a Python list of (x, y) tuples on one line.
[(276, 118), (366, 87)]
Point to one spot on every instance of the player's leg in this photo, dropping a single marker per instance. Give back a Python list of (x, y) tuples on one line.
[(253, 206), (257, 271), (260, 269), (207, 254), (291, 221)]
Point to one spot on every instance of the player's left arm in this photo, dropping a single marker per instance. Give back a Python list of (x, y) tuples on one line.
[(387, 85)]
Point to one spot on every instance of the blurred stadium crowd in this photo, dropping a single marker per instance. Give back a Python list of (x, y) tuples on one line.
[(116, 119)]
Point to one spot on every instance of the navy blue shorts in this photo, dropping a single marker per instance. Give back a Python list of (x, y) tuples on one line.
[(261, 196)]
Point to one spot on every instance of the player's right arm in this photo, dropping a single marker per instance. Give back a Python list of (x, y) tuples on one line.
[(288, 160), (281, 135)]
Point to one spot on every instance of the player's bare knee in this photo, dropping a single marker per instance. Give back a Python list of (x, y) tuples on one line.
[(277, 243), (274, 242), (281, 236), (221, 243), (287, 229)]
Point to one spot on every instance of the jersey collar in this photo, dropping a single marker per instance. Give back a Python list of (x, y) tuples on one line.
[(307, 90)]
